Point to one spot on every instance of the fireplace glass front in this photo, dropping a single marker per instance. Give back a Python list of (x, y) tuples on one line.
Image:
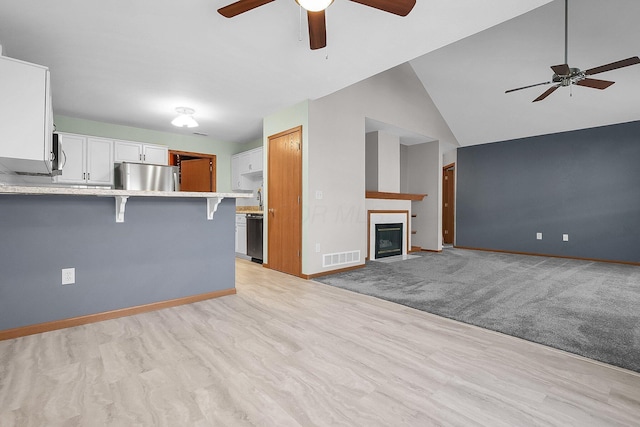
[(388, 240)]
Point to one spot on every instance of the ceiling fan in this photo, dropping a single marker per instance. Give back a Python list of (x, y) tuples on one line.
[(567, 76), (315, 13)]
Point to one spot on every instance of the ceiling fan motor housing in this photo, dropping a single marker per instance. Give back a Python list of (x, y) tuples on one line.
[(573, 77)]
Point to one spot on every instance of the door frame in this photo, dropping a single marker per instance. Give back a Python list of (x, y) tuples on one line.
[(453, 201), (266, 223)]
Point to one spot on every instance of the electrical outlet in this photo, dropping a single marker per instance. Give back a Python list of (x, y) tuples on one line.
[(318, 247), (318, 195), (539, 236), (68, 276), (565, 237)]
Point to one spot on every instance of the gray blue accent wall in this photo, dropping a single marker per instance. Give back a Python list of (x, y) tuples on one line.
[(165, 249), (583, 183)]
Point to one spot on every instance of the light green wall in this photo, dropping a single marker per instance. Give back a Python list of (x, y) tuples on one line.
[(197, 144)]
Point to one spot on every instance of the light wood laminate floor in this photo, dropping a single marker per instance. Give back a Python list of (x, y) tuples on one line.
[(289, 352)]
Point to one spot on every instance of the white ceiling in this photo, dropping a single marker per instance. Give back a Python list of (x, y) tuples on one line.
[(467, 79), (133, 62)]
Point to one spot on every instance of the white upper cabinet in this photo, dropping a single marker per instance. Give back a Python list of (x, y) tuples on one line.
[(155, 154), (26, 119), (255, 160), (86, 160), (236, 178), (138, 152), (246, 166), (125, 151)]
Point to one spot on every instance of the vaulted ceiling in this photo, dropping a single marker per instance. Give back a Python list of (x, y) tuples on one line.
[(133, 63), (467, 79)]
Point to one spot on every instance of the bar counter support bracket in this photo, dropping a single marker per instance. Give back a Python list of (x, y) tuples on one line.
[(121, 202), (212, 206)]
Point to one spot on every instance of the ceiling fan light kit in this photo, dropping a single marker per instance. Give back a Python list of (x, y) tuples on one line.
[(315, 13), (185, 118), (314, 5), (566, 76)]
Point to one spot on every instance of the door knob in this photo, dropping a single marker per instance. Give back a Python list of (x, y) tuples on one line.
[(271, 211)]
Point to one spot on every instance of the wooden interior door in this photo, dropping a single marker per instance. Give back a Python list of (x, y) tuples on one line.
[(284, 235), (448, 200), (195, 175)]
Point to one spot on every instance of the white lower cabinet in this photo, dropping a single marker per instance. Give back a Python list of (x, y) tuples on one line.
[(86, 160), (241, 234)]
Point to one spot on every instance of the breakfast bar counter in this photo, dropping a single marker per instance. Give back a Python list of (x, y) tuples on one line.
[(173, 248)]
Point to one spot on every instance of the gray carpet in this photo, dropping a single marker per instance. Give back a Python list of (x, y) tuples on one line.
[(587, 308)]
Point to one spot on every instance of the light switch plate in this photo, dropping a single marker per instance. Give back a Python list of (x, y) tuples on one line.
[(565, 237), (539, 236), (318, 195)]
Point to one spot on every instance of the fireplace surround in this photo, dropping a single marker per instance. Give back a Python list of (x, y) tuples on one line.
[(388, 219)]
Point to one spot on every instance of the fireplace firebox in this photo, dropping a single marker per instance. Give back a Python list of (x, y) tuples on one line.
[(388, 240)]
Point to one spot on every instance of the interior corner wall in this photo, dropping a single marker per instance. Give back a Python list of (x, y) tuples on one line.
[(583, 183), (336, 156), (404, 166), (283, 120), (371, 161), (424, 170), (388, 163), (197, 144)]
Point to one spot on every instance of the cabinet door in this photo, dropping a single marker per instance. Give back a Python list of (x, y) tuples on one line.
[(155, 154), (73, 159), (99, 161), (255, 160), (241, 238), (236, 179), (23, 96), (127, 151), (244, 162)]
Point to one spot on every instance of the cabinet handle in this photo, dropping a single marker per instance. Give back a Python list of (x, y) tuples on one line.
[(88, 176), (140, 157), (144, 157), (84, 175)]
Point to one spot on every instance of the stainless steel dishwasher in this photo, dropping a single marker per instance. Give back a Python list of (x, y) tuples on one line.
[(254, 237)]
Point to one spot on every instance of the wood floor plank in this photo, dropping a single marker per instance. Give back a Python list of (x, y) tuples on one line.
[(288, 352)]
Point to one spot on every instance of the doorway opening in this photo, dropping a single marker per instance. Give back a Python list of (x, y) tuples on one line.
[(197, 170), (448, 204)]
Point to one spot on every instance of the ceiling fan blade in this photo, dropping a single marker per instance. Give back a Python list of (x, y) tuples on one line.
[(595, 83), (561, 70), (546, 93), (317, 30), (241, 6), (397, 7), (613, 66), (527, 87)]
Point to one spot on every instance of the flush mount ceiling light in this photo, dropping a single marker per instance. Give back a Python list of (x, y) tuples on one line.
[(314, 5), (185, 118)]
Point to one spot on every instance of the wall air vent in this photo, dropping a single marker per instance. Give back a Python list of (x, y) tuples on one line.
[(340, 258)]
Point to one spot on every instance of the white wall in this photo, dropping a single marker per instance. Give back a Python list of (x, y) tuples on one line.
[(425, 176), (388, 163), (335, 161), (371, 161)]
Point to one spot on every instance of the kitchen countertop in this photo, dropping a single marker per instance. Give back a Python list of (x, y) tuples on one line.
[(107, 192), (249, 210)]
